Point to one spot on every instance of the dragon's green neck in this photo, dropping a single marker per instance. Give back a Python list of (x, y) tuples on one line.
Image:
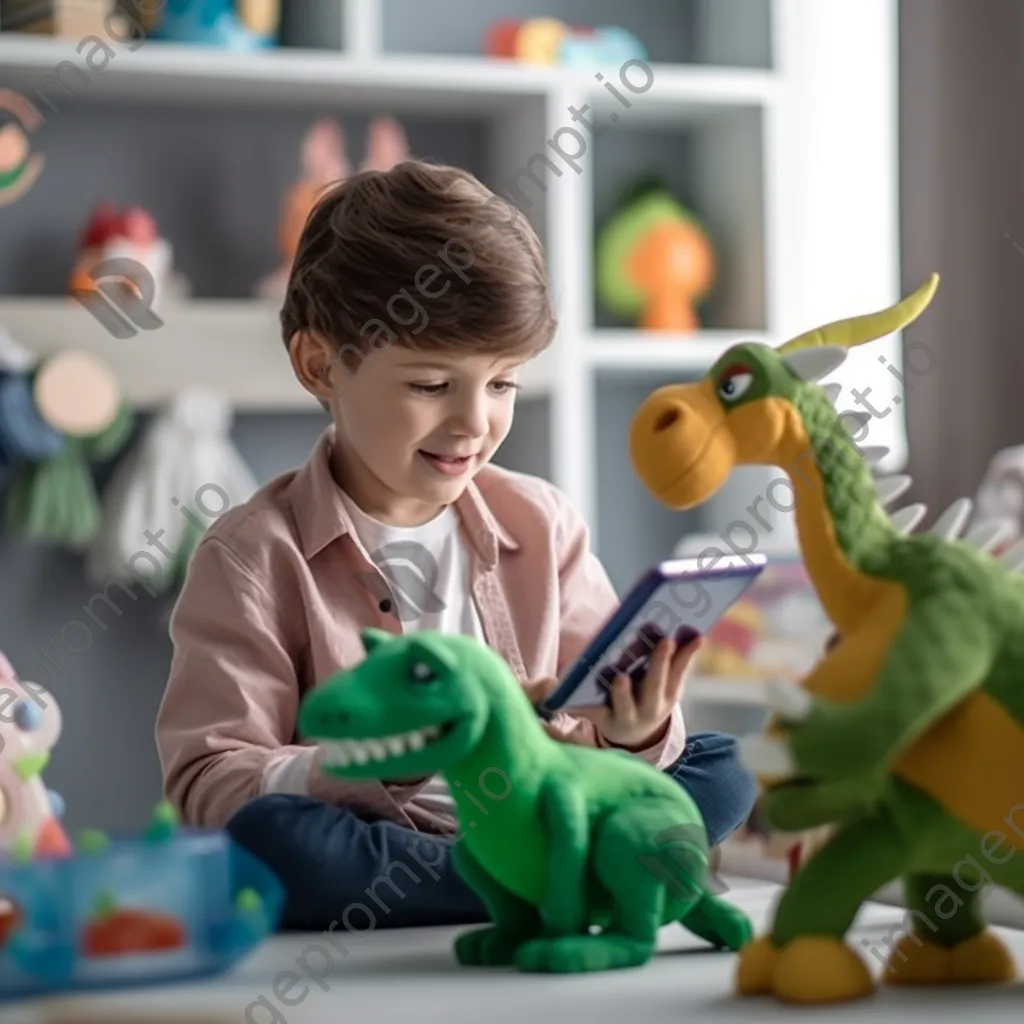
[(844, 532)]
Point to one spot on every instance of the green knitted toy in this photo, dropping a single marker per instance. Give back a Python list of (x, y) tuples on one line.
[(907, 738)]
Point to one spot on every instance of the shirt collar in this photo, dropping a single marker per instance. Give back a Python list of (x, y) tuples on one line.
[(321, 516)]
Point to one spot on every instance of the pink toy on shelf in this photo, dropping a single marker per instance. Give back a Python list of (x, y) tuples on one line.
[(30, 725), (325, 163)]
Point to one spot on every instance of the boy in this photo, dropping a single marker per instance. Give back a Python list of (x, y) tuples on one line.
[(415, 297)]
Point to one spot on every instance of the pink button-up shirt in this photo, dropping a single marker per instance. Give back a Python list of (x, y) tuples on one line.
[(277, 592)]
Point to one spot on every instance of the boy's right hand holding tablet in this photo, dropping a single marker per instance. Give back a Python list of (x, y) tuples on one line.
[(638, 713)]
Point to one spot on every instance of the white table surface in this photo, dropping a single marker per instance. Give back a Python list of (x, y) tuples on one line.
[(410, 975)]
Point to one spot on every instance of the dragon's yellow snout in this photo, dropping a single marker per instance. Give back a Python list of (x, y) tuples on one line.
[(680, 444)]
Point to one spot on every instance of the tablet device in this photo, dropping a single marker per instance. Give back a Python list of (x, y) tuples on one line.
[(676, 597)]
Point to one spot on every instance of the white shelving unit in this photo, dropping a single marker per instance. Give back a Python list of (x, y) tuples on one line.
[(776, 118)]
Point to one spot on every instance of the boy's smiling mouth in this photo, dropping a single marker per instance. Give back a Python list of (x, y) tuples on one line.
[(450, 465)]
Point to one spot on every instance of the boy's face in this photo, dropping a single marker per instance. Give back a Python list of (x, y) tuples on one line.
[(423, 423)]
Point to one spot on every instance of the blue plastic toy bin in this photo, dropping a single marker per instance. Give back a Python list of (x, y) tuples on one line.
[(134, 912)]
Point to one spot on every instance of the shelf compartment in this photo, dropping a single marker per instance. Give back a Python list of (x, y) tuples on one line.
[(672, 31), (711, 158), (232, 347), (214, 180)]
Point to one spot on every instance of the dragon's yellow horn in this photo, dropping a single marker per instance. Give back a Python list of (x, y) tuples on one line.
[(859, 330)]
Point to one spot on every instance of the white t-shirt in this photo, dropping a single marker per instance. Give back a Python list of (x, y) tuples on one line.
[(427, 569)]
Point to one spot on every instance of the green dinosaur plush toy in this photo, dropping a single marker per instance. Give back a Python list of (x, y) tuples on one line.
[(908, 736), (574, 836)]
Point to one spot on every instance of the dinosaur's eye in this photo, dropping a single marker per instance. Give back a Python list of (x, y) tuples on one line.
[(734, 382), (422, 672)]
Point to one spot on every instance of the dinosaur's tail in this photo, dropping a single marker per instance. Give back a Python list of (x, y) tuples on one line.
[(719, 922)]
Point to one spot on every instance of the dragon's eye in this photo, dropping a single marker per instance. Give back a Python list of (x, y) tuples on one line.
[(422, 672), (734, 382)]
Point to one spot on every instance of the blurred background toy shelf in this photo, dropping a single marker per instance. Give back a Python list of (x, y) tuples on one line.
[(677, 157)]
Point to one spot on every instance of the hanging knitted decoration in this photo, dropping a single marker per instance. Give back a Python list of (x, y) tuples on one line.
[(15, 362), (57, 418), (182, 475)]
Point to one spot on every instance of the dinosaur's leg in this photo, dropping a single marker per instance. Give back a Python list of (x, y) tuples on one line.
[(718, 921), (805, 959), (515, 921), (620, 845), (947, 943)]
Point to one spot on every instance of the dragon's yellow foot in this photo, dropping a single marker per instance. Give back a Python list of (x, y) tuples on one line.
[(756, 967), (983, 959), (810, 969)]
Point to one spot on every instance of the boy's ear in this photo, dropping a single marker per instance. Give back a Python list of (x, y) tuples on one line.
[(374, 638)]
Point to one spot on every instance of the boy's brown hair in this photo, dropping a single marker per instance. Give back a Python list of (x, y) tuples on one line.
[(424, 256)]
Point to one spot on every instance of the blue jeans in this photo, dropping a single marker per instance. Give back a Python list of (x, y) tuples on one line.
[(338, 868)]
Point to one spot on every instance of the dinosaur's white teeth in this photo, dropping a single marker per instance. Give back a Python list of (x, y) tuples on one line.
[(907, 518), (985, 536), (889, 488), (812, 364), (790, 700), (953, 520), (342, 753), (378, 750), (765, 756), (832, 392)]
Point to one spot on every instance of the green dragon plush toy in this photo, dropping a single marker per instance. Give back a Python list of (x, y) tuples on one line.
[(575, 838), (908, 736)]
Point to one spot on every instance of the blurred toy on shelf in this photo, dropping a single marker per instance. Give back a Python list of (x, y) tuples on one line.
[(182, 475), (30, 725), (776, 630), (230, 24), (549, 41), (122, 255), (56, 416), (655, 261), (324, 162), (63, 18), (172, 905), (20, 167)]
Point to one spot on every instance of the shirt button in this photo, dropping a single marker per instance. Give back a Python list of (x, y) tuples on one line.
[(385, 605)]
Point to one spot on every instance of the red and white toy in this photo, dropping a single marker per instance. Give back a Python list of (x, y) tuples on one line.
[(128, 234)]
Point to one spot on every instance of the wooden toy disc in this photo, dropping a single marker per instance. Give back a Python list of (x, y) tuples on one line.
[(76, 394)]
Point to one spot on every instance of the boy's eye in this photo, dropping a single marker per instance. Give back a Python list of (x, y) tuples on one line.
[(429, 389), (505, 386)]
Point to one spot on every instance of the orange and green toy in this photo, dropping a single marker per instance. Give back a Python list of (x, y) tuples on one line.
[(655, 262), (908, 735)]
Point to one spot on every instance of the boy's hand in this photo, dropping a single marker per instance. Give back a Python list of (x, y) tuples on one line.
[(636, 724)]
